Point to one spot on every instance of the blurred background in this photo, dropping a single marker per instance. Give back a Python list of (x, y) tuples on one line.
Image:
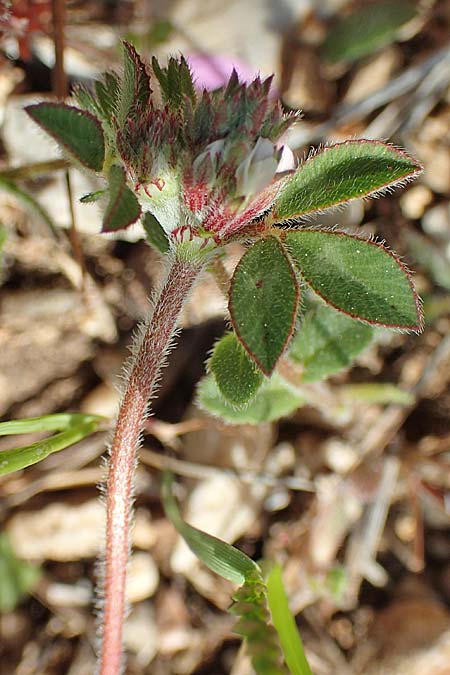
[(350, 491)]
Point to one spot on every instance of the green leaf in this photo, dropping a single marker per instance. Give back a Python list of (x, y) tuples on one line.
[(285, 625), (341, 172), (77, 131), (327, 342), (236, 375), (263, 302), (359, 277), (123, 208), (72, 427), (17, 577), (55, 422), (367, 29), (156, 235), (273, 400), (220, 557)]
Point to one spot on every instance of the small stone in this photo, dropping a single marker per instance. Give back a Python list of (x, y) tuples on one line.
[(436, 221), (414, 202), (373, 75), (143, 577)]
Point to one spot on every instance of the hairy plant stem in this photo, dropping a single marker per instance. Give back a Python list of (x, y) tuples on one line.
[(149, 357)]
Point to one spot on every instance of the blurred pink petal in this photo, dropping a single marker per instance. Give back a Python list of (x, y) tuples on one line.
[(212, 71)]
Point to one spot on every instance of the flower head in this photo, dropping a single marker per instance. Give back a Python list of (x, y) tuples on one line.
[(204, 164)]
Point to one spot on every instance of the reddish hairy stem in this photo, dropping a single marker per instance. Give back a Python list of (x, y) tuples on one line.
[(141, 384)]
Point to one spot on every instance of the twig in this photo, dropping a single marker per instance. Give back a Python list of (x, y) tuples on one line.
[(201, 471)]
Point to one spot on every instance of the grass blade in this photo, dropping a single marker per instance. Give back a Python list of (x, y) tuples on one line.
[(285, 625)]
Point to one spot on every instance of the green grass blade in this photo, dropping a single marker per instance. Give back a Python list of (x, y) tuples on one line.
[(56, 422), (285, 625), (20, 458), (220, 557)]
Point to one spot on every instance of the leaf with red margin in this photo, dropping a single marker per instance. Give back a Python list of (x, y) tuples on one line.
[(359, 277), (77, 131), (123, 208), (341, 172), (263, 302)]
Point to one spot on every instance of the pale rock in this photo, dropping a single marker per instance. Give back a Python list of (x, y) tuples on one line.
[(336, 512), (436, 221), (63, 532), (373, 75), (140, 634), (414, 202), (69, 595), (102, 400), (143, 577)]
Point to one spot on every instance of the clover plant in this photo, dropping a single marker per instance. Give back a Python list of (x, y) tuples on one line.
[(202, 170)]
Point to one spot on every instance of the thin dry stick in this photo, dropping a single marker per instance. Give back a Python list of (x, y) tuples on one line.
[(60, 88), (150, 357)]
